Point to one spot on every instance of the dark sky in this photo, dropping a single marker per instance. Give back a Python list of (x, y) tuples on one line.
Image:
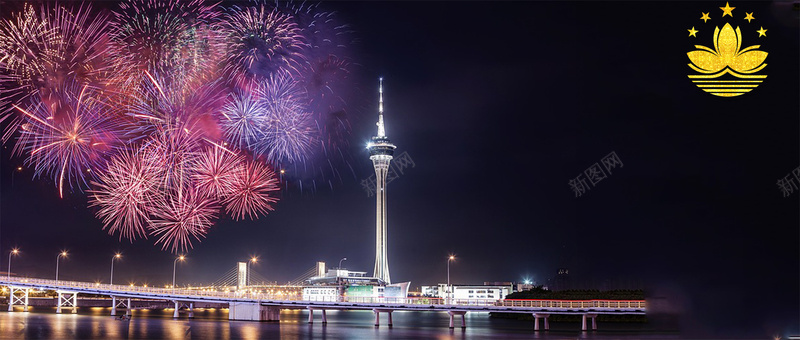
[(499, 105)]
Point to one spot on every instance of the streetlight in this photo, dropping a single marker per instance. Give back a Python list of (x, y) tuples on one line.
[(340, 262), (64, 254), (451, 258), (174, 264), (253, 259), (116, 256), (14, 251)]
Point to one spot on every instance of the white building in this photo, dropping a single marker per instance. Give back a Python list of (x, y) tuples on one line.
[(321, 293), (483, 292)]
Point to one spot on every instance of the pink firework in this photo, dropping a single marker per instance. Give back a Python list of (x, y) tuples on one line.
[(124, 193), (214, 171), (173, 150), (181, 217), (255, 186)]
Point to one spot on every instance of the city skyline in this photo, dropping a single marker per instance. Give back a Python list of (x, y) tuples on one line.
[(499, 112)]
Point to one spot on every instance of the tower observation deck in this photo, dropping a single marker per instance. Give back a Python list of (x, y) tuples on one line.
[(381, 150)]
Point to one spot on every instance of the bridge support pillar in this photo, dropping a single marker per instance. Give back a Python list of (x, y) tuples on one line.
[(120, 304), (594, 321), (177, 308), (272, 313), (66, 300), (378, 316), (253, 311), (191, 309), (311, 315), (453, 314), (536, 317), (15, 300)]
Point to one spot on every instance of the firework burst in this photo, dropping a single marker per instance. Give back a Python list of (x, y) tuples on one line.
[(124, 194), (254, 187), (215, 171), (165, 35), (288, 132), (66, 138), (242, 118), (168, 111), (261, 41), (42, 51), (183, 216)]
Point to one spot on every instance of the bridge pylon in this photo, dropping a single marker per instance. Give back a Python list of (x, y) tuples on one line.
[(183, 304), (122, 303), (15, 300), (67, 299)]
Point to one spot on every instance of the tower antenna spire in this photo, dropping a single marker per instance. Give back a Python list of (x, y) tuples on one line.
[(381, 129)]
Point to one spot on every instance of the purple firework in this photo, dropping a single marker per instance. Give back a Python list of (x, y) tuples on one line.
[(288, 126), (261, 41), (242, 118), (42, 52), (66, 136)]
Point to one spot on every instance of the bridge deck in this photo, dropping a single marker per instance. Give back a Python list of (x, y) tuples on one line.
[(346, 303)]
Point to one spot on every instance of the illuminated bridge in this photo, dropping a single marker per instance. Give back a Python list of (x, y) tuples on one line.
[(244, 305)]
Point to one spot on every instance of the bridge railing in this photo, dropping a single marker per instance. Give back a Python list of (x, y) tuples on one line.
[(558, 304), (72, 285), (582, 304), (169, 293)]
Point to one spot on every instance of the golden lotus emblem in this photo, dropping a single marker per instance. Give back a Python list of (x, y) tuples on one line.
[(727, 70)]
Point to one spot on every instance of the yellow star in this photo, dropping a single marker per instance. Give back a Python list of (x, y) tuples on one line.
[(762, 32), (692, 32), (749, 17), (705, 17), (727, 10)]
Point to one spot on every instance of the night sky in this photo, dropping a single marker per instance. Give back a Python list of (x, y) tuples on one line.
[(499, 105)]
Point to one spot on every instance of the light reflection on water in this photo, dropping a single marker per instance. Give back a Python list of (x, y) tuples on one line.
[(210, 323)]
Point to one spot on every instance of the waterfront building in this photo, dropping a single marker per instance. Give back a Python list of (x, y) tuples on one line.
[(484, 292)]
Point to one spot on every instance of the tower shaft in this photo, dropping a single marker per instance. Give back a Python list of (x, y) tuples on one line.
[(381, 164)]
